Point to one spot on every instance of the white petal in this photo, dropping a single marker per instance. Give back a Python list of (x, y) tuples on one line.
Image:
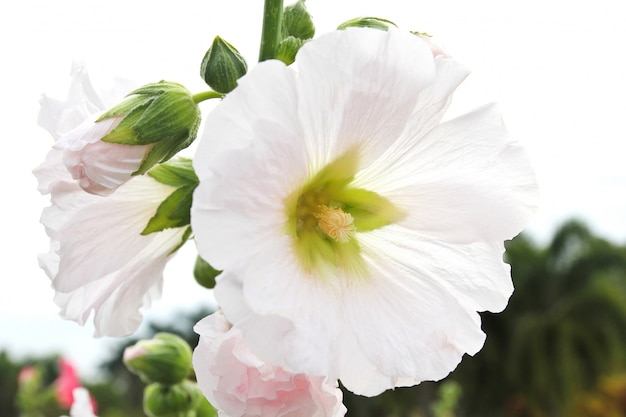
[(254, 182), (51, 172), (264, 99), (367, 94), (466, 181), (473, 273), (99, 261)]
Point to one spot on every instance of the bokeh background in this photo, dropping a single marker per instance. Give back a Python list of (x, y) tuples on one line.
[(556, 68)]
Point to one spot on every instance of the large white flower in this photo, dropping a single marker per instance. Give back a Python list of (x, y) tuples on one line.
[(99, 261), (359, 235)]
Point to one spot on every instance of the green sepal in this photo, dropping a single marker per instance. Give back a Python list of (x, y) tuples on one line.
[(222, 66), (204, 273), (174, 211), (288, 48), (164, 114), (297, 22), (368, 22)]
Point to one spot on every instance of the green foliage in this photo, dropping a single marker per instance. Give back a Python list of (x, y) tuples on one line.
[(564, 328)]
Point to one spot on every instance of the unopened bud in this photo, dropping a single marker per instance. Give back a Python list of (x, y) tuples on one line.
[(150, 126), (222, 66), (288, 48), (368, 22), (161, 400), (297, 22), (166, 359)]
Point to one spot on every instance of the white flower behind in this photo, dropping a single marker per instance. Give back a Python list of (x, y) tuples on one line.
[(358, 234), (99, 262)]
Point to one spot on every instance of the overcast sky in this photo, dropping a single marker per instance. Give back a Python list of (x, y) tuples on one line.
[(557, 69)]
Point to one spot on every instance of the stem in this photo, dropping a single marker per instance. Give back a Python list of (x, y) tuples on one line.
[(272, 21), (206, 95)]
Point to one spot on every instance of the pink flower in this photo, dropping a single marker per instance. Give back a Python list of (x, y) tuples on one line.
[(66, 383), (239, 384)]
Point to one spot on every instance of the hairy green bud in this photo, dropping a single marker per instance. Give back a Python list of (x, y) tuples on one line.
[(297, 22), (161, 400), (222, 66), (165, 359), (162, 114)]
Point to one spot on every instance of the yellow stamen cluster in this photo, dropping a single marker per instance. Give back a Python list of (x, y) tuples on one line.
[(336, 223)]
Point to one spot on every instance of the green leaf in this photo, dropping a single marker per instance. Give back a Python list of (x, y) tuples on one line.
[(204, 273), (174, 211)]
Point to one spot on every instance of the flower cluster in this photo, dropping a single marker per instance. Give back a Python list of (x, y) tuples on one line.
[(357, 234)]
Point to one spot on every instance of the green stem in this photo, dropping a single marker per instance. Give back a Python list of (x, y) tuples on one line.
[(272, 21), (206, 95)]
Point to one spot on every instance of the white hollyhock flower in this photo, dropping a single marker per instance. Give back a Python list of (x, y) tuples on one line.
[(99, 261), (240, 384), (358, 233)]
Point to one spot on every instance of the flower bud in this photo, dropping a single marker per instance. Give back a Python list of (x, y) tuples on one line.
[(367, 22), (288, 48), (150, 126), (222, 66), (160, 400), (297, 22), (166, 359)]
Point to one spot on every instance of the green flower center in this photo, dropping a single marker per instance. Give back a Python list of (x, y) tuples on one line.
[(325, 215)]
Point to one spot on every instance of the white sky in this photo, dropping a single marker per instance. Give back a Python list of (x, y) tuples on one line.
[(557, 69)]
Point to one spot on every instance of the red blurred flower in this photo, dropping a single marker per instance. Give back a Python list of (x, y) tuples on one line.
[(66, 382)]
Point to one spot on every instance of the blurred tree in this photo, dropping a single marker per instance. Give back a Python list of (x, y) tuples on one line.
[(564, 327)]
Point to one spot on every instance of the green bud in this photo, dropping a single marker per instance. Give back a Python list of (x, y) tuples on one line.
[(222, 66), (177, 400), (204, 409), (204, 273), (367, 22), (166, 359), (288, 48), (163, 114), (297, 22)]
